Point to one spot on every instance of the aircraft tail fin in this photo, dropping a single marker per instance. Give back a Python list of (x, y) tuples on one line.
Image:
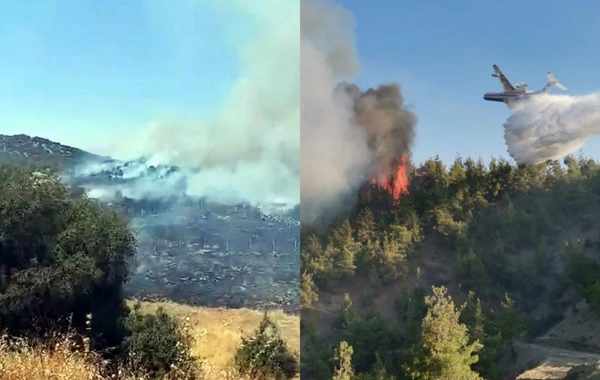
[(552, 81)]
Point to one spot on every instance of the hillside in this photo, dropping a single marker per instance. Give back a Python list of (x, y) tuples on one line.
[(517, 246), (190, 249), (68, 261), (38, 151)]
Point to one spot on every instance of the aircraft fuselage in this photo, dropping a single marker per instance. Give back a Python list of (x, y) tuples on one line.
[(510, 98), (500, 96)]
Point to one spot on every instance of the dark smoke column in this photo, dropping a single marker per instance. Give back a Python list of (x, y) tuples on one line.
[(348, 136), (389, 126)]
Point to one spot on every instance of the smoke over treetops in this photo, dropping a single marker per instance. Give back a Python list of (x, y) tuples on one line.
[(349, 136), (249, 152)]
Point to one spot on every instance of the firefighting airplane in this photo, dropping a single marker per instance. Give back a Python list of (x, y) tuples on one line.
[(512, 95)]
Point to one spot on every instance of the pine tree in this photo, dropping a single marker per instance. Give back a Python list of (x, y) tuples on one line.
[(343, 355), (366, 239), (511, 322), (347, 313), (392, 258), (445, 351), (365, 226), (342, 241), (308, 290), (311, 256), (457, 173), (475, 319), (378, 372), (472, 316)]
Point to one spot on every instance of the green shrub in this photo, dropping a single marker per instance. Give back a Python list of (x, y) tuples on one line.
[(157, 346), (264, 354), (62, 257)]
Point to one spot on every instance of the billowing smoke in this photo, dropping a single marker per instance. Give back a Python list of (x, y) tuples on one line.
[(548, 127), (250, 152), (390, 127), (349, 136)]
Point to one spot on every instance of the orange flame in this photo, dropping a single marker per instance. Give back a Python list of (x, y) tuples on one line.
[(394, 179)]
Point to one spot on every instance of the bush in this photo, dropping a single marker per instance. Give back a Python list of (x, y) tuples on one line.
[(157, 346), (264, 355), (63, 257)]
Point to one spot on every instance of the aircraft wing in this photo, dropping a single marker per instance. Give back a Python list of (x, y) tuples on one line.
[(505, 83)]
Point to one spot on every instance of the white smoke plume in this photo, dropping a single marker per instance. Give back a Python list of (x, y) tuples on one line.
[(334, 150), (250, 152), (348, 135), (549, 127)]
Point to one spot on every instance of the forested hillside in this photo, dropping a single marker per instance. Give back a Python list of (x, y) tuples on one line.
[(447, 279)]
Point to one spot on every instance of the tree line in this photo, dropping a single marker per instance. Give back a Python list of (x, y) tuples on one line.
[(501, 227)]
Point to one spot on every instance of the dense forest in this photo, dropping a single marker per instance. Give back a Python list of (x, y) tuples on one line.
[(470, 260)]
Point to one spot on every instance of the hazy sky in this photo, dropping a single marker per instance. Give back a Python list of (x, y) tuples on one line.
[(81, 72), (442, 52)]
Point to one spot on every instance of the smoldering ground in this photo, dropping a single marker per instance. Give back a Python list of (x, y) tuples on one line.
[(348, 135), (549, 127)]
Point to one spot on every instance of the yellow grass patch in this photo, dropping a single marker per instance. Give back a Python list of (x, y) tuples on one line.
[(218, 332)]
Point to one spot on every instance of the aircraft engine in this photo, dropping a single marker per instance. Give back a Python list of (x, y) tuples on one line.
[(521, 85)]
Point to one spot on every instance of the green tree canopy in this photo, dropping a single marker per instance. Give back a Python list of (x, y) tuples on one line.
[(445, 349), (62, 257)]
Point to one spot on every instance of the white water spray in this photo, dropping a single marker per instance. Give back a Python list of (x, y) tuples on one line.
[(549, 127)]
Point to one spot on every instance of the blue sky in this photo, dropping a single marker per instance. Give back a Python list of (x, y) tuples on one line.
[(81, 71), (442, 52)]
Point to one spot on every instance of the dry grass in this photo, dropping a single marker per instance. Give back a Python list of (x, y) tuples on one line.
[(217, 333), (56, 360)]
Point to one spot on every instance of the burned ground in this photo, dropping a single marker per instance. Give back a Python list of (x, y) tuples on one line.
[(216, 256), (194, 251)]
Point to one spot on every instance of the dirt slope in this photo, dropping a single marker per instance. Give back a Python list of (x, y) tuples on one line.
[(546, 362)]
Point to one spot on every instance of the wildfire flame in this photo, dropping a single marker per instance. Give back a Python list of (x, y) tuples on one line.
[(394, 179)]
